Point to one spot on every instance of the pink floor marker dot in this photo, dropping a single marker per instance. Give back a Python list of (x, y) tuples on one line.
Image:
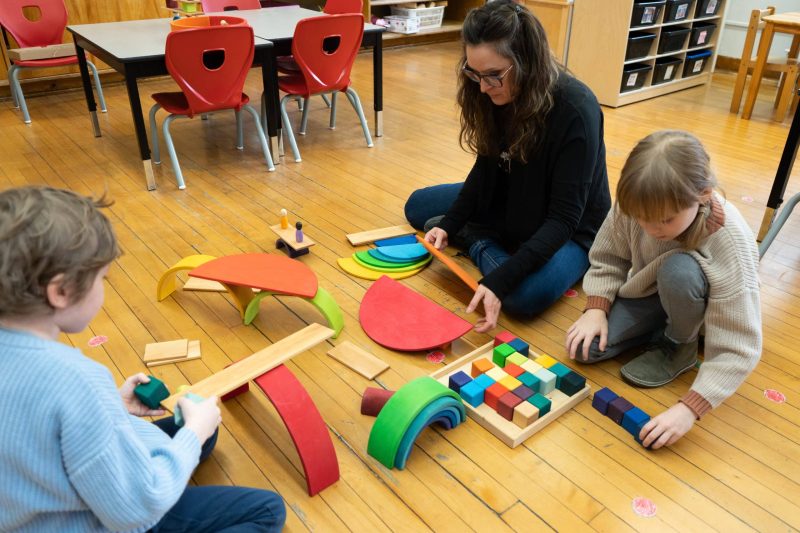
[(98, 340), (435, 357), (747, 199), (644, 507), (775, 396), (571, 293)]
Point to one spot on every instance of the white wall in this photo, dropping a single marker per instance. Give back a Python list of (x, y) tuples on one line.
[(736, 18)]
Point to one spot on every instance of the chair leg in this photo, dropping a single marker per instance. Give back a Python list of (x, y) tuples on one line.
[(304, 120), (356, 102), (325, 99), (176, 167), (13, 79), (287, 126), (239, 131), (332, 123), (738, 88), (97, 86), (788, 85), (261, 137), (299, 100), (154, 134), (13, 88)]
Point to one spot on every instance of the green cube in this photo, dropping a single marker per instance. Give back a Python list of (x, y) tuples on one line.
[(500, 353), (541, 403), (516, 358), (151, 394)]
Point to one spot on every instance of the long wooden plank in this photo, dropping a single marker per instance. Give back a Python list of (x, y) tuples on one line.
[(358, 359), (471, 282), (260, 362), (373, 235)]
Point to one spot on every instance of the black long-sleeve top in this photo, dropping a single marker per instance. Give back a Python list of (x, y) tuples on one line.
[(560, 194)]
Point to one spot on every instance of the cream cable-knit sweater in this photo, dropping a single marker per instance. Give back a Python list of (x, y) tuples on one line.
[(625, 262)]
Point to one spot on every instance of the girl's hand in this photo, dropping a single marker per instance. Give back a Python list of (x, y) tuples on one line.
[(592, 323), (437, 237), (133, 405), (668, 427), (491, 308), (202, 418)]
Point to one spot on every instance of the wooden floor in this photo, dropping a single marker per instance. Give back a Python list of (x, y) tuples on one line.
[(736, 470)]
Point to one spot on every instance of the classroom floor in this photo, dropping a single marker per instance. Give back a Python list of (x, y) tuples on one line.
[(736, 470)]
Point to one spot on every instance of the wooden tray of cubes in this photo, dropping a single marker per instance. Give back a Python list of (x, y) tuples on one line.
[(505, 429)]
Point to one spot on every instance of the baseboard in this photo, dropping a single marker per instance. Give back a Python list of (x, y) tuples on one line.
[(732, 64)]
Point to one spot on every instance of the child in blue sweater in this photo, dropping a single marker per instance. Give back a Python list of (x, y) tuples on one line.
[(74, 454)]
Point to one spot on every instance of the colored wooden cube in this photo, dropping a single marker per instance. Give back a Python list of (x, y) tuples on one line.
[(510, 383), (634, 420), (617, 409), (547, 381), (151, 394), (178, 414), (504, 337), (481, 366), (511, 369), (529, 380), (458, 380), (520, 346), (506, 405), (572, 383), (545, 360), (560, 370), (602, 398), (472, 393), (500, 353), (525, 414), (493, 394), (541, 403), (523, 392), (516, 358), (530, 366), (496, 373)]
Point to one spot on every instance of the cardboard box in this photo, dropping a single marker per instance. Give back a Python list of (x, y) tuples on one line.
[(42, 52)]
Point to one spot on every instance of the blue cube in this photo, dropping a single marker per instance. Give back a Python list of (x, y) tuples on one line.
[(634, 420), (483, 381), (520, 346), (472, 393), (602, 398), (572, 383), (458, 380)]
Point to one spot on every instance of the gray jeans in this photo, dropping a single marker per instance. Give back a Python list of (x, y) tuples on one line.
[(678, 307)]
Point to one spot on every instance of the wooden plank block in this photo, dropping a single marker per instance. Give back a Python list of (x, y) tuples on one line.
[(259, 363), (160, 351), (288, 236), (203, 285), (42, 52), (357, 359), (471, 282), (190, 357), (372, 235)]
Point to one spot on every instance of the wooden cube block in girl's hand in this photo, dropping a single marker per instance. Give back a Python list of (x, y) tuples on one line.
[(179, 415), (151, 394)]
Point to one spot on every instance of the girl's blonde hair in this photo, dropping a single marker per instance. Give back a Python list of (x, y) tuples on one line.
[(666, 172)]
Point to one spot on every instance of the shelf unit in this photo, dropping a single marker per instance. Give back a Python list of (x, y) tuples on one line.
[(599, 40)]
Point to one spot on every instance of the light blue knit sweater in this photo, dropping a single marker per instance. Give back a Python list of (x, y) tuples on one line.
[(71, 457)]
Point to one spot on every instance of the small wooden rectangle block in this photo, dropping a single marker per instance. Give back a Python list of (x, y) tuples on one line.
[(289, 235), (42, 52), (193, 352), (357, 359), (373, 235), (160, 351), (204, 285)]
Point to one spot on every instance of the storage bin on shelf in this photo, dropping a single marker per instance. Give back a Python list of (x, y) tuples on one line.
[(646, 12), (707, 8), (672, 39), (639, 44), (702, 32), (676, 10), (696, 62), (666, 69), (403, 24), (429, 17), (634, 76), (205, 20)]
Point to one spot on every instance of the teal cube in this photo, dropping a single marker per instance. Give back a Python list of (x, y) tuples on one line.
[(500, 354), (178, 415), (541, 403), (529, 380), (560, 370), (153, 393)]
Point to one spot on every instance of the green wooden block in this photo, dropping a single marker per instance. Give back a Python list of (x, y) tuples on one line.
[(500, 353), (151, 394), (516, 358)]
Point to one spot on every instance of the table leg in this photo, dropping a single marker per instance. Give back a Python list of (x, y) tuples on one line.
[(269, 75), (87, 89), (377, 73), (758, 69), (141, 131)]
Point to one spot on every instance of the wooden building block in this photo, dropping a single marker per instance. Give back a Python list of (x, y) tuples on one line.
[(506, 405), (160, 351), (458, 380), (493, 394), (472, 393), (373, 400), (602, 398), (545, 360), (617, 409), (152, 392), (542, 403), (203, 285), (510, 383), (525, 414), (529, 380), (481, 366), (178, 415), (42, 52), (501, 353), (572, 383), (497, 373), (504, 337), (520, 346), (513, 370), (547, 381), (454, 267), (524, 392), (530, 366), (193, 352), (365, 237), (516, 358), (560, 370), (634, 420), (358, 359)]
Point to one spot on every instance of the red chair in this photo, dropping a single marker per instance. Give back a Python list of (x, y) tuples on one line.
[(48, 29), (324, 68), (210, 65), (215, 6)]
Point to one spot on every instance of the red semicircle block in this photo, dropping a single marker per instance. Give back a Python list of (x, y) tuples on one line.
[(268, 272)]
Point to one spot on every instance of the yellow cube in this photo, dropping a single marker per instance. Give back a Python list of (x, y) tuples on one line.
[(545, 360)]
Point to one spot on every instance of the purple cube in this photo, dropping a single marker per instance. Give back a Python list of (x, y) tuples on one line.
[(617, 409), (602, 398), (458, 380)]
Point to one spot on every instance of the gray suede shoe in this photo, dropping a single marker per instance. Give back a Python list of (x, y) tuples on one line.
[(663, 361)]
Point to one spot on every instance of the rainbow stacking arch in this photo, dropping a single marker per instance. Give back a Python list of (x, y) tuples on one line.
[(415, 406)]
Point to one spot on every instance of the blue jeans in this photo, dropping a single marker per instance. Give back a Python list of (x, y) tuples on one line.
[(536, 292), (220, 509)]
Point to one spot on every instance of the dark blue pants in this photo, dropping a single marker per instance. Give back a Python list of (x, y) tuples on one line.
[(220, 509), (536, 292)]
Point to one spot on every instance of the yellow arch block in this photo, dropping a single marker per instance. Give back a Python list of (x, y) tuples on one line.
[(166, 284), (351, 267)]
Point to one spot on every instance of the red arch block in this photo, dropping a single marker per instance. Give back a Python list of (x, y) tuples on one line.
[(306, 427)]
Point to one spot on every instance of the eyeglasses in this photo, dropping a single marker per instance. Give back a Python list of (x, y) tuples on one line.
[(492, 80)]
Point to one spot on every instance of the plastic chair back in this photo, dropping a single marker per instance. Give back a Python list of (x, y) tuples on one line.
[(338, 7), (323, 69), (219, 87), (47, 30), (214, 6)]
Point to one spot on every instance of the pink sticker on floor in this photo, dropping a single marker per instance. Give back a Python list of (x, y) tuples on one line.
[(435, 357), (571, 293), (644, 507), (97, 341), (747, 199), (775, 396)]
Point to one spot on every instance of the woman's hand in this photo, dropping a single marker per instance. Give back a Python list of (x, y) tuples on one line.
[(203, 418), (437, 237), (491, 308), (131, 402), (592, 323), (667, 427)]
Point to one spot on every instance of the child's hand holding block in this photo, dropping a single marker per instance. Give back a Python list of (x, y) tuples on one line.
[(178, 414), (152, 393)]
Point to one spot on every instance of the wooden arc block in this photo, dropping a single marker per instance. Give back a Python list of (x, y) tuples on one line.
[(365, 237), (160, 351), (358, 359)]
